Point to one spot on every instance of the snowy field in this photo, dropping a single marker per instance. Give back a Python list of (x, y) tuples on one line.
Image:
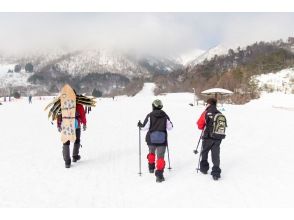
[(256, 157)]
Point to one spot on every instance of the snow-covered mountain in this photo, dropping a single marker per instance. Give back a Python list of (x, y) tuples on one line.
[(57, 66), (100, 61), (209, 54), (190, 56)]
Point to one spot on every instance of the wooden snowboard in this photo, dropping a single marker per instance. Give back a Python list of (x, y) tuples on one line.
[(68, 111)]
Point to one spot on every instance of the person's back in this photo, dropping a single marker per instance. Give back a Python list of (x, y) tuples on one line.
[(80, 119), (209, 143), (157, 123)]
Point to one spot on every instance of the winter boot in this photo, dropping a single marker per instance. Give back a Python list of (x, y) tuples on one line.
[(76, 158), (151, 167), (66, 155), (67, 164), (216, 171), (215, 177), (75, 153), (159, 176), (204, 166), (203, 171)]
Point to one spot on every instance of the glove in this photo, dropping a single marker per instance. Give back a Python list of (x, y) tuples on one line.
[(140, 125), (59, 129), (84, 127)]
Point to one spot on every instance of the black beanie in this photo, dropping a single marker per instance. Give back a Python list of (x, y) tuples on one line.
[(211, 101)]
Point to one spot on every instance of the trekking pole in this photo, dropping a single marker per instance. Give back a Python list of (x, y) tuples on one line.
[(198, 167), (168, 157), (196, 151), (140, 173)]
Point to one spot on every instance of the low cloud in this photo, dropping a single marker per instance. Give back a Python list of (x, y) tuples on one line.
[(152, 33)]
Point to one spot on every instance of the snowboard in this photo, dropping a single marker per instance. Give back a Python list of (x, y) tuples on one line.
[(68, 112)]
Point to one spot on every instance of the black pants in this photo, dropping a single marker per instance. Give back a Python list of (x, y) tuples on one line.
[(76, 148), (214, 147)]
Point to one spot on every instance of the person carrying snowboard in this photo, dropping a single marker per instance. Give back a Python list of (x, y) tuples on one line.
[(157, 123), (79, 119), (213, 124)]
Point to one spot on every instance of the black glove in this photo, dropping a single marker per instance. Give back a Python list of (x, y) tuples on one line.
[(84, 127), (59, 129), (140, 125)]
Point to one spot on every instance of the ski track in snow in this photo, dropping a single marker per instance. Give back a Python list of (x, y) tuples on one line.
[(256, 157)]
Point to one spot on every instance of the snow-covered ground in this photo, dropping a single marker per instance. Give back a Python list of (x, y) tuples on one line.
[(256, 156), (282, 81)]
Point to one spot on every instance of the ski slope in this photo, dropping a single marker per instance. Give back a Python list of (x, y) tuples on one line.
[(256, 157)]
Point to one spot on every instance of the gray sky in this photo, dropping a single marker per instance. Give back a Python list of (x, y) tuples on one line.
[(153, 33)]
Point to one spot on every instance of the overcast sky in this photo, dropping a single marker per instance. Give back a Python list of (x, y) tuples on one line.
[(153, 33)]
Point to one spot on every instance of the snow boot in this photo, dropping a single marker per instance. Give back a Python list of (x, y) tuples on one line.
[(215, 177), (76, 158), (151, 167), (204, 166), (203, 171), (216, 171), (66, 155), (67, 164), (75, 153), (159, 176)]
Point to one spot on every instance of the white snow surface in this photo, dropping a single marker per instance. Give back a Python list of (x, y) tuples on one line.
[(282, 81), (256, 156)]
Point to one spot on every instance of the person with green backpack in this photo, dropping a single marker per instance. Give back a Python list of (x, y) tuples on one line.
[(213, 123)]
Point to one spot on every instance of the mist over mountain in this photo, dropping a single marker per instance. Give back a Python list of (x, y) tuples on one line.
[(115, 53)]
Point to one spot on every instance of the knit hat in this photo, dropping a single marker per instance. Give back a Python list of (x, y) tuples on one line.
[(157, 104), (211, 101)]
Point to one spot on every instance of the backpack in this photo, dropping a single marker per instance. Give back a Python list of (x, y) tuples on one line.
[(157, 137), (218, 127)]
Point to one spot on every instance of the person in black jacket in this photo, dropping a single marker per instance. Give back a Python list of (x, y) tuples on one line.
[(205, 122), (157, 123)]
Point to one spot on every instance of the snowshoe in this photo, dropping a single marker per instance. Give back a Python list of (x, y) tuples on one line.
[(76, 158)]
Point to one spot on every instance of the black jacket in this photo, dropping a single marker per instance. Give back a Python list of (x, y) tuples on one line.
[(157, 120), (210, 112)]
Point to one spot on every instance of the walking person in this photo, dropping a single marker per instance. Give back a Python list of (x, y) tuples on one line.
[(30, 99), (213, 124), (80, 118), (156, 123)]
